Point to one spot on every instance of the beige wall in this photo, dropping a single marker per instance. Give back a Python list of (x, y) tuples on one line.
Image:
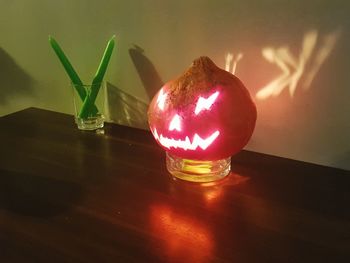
[(312, 125)]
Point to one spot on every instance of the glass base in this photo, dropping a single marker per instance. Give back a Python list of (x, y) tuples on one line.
[(90, 123), (197, 170)]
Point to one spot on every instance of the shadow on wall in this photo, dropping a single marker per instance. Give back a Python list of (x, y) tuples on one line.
[(341, 160), (14, 80), (146, 70), (125, 109)]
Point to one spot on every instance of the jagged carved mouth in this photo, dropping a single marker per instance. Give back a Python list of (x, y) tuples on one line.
[(186, 144)]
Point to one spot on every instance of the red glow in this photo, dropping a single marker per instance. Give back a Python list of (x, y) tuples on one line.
[(185, 239)]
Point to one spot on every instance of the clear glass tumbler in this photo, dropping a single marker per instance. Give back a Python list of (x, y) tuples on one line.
[(89, 105), (197, 170)]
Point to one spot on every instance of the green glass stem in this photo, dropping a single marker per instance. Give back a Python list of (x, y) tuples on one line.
[(90, 98), (78, 84)]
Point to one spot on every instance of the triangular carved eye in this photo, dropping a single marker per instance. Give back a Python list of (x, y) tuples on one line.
[(161, 99), (205, 103), (175, 123)]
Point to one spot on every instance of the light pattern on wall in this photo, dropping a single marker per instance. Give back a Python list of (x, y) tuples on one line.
[(294, 68), (231, 62), (312, 55)]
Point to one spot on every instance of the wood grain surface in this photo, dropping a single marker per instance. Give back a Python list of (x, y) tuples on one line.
[(74, 196)]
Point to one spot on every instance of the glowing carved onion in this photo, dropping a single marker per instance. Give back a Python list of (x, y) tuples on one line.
[(205, 114)]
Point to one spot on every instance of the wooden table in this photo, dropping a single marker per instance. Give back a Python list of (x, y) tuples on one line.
[(73, 196)]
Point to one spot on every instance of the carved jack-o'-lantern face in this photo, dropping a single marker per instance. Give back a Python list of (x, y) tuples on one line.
[(202, 118)]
